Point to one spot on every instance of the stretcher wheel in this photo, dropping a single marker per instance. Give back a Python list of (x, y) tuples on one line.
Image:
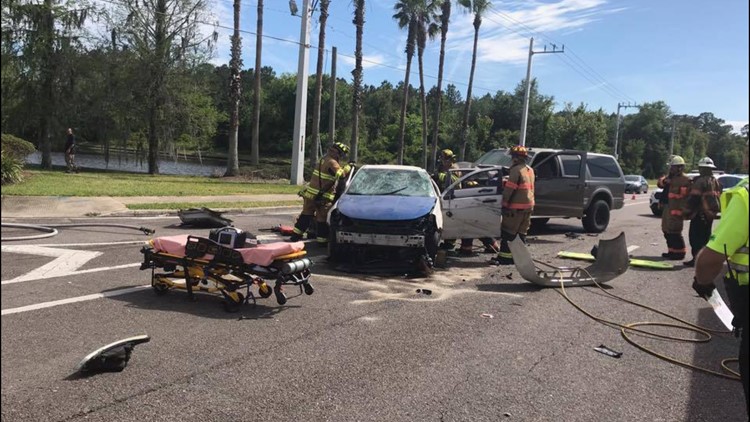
[(264, 290), (233, 306), (160, 288), (280, 296), (308, 289)]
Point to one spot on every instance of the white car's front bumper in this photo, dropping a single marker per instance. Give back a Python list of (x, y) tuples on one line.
[(404, 241)]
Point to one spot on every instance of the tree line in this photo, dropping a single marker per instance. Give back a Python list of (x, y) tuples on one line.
[(149, 83)]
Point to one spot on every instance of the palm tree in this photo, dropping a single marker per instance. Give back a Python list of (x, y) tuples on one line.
[(255, 154), (478, 8), (406, 11), (426, 28), (319, 83), (445, 16), (235, 90), (359, 23)]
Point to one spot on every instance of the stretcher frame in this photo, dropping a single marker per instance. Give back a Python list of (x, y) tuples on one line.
[(226, 272)]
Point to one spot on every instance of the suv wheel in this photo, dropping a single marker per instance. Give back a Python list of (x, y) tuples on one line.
[(656, 210), (596, 219)]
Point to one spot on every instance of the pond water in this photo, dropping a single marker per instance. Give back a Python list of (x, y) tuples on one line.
[(128, 163)]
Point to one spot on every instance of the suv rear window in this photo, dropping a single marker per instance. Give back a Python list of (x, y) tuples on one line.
[(600, 166)]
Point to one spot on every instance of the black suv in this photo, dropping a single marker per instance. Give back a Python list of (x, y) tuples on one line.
[(569, 184)]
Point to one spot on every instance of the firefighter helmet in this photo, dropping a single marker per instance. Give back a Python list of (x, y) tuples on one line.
[(706, 162), (519, 151), (342, 148), (676, 160), (447, 154)]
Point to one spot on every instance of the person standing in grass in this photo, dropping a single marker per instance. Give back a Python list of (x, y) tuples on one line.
[(70, 152)]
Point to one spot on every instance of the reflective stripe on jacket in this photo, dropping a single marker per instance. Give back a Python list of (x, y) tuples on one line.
[(324, 179), (703, 197), (518, 192), (677, 193)]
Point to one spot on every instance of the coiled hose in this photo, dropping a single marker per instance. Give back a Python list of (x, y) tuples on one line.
[(51, 229), (625, 328)]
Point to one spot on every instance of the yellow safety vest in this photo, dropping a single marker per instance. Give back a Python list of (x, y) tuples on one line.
[(739, 262)]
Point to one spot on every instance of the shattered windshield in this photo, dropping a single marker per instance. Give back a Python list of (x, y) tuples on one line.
[(399, 182)]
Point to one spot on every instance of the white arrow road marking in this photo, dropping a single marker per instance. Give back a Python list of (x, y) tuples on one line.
[(66, 262), (73, 300)]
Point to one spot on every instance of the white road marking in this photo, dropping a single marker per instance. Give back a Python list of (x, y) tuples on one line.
[(66, 245), (66, 263), (53, 303), (631, 248)]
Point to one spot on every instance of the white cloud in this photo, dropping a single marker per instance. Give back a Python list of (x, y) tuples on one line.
[(504, 34), (368, 61)]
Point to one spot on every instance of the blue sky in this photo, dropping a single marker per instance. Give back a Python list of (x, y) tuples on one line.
[(692, 54)]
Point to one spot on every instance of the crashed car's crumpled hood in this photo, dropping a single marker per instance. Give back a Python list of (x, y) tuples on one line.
[(378, 207)]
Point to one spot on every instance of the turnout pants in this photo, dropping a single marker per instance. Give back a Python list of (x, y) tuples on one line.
[(515, 223), (318, 211), (700, 232), (671, 225)]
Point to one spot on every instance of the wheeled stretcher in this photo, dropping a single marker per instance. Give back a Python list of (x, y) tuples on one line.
[(201, 264)]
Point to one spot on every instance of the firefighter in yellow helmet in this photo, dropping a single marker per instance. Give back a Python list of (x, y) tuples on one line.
[(729, 243), (318, 195), (518, 204), (675, 187), (702, 207)]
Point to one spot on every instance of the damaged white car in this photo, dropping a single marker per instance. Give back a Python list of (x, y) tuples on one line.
[(398, 213)]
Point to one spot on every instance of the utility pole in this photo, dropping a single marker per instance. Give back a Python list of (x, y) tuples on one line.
[(617, 124), (300, 109), (525, 115), (671, 140), (332, 117)]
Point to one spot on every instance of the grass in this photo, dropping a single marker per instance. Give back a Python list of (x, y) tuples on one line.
[(212, 205), (39, 182)]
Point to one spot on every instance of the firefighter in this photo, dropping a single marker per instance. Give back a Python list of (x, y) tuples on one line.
[(702, 207), (318, 195), (676, 186), (518, 204), (729, 243), (444, 178)]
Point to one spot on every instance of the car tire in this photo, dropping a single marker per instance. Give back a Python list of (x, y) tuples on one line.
[(432, 241), (596, 219), (655, 210)]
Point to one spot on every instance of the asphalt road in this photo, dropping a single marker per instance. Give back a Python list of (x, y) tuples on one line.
[(362, 347)]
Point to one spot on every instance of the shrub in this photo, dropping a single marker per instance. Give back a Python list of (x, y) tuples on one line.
[(16, 148), (12, 168), (13, 153)]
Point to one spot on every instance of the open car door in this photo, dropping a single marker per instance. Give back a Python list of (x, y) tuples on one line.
[(472, 206)]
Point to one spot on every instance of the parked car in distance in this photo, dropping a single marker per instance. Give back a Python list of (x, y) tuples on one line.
[(635, 183), (725, 181), (570, 184), (399, 212)]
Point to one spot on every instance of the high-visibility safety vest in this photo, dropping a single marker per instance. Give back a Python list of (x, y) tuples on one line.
[(323, 181), (442, 179), (739, 260), (518, 191)]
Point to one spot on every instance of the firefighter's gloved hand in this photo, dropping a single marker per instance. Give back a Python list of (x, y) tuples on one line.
[(703, 290)]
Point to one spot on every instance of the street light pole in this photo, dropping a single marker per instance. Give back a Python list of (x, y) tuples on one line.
[(300, 109)]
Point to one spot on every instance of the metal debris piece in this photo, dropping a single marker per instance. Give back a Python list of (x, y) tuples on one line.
[(607, 351), (490, 316)]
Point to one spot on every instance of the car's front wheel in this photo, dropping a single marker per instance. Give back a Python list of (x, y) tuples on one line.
[(596, 219)]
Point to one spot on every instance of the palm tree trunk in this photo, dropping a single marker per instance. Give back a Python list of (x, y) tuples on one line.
[(444, 19), (318, 84), (424, 106), (255, 143), (404, 104), (235, 90), (467, 107), (359, 23)]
